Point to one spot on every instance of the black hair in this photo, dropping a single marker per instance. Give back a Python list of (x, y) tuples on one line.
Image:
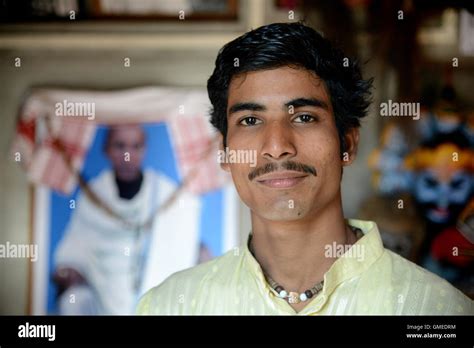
[(457, 138), (295, 45)]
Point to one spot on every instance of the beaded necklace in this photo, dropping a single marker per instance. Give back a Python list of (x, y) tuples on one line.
[(294, 297)]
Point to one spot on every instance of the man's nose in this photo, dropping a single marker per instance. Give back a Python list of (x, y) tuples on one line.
[(443, 195), (278, 141)]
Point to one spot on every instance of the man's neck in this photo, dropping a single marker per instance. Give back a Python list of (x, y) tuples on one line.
[(293, 253), (128, 189)]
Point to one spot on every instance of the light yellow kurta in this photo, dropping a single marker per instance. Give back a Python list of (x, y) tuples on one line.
[(381, 282)]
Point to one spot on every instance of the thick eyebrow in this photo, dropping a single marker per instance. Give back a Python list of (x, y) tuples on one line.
[(296, 103), (299, 102), (246, 107)]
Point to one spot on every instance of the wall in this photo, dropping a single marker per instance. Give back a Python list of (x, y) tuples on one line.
[(84, 60)]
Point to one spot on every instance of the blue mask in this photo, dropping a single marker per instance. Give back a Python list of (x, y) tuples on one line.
[(441, 202)]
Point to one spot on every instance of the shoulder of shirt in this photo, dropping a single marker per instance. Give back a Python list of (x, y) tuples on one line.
[(162, 178), (162, 299), (408, 275), (103, 177), (168, 186), (107, 175)]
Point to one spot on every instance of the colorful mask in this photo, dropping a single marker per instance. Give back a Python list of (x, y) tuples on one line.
[(443, 181), (466, 222), (447, 120)]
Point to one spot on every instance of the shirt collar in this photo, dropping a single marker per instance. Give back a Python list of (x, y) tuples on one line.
[(352, 263)]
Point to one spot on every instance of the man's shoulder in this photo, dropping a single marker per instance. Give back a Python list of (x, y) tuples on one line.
[(173, 291), (168, 186), (158, 176), (104, 177), (412, 283), (405, 269), (214, 270)]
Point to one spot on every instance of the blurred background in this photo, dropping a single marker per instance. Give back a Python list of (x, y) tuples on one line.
[(413, 175)]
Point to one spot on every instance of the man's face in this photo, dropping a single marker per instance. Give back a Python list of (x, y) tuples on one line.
[(125, 149), (284, 114)]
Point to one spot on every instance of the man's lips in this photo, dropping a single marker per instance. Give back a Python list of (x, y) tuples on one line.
[(440, 211), (284, 179)]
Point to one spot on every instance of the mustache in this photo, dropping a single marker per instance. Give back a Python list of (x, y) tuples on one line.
[(287, 165)]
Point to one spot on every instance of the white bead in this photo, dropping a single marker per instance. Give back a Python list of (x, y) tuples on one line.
[(283, 294), (303, 297)]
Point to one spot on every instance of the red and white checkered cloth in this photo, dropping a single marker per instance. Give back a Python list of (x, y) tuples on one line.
[(191, 138), (184, 110)]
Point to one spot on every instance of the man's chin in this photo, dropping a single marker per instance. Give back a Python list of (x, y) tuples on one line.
[(128, 177), (280, 215)]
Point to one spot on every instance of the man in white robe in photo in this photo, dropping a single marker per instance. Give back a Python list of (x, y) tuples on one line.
[(102, 264)]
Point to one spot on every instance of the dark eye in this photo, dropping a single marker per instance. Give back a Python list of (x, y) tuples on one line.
[(457, 183), (431, 182), (119, 146), (249, 121), (305, 118)]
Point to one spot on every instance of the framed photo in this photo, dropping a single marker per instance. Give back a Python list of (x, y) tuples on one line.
[(110, 10), (166, 10), (128, 224)]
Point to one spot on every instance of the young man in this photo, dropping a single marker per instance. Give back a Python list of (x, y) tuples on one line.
[(283, 91)]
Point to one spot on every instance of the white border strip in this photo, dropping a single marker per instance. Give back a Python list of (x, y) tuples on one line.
[(39, 286), (230, 218)]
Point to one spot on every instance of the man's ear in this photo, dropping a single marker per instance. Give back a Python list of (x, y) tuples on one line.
[(222, 153), (352, 142)]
